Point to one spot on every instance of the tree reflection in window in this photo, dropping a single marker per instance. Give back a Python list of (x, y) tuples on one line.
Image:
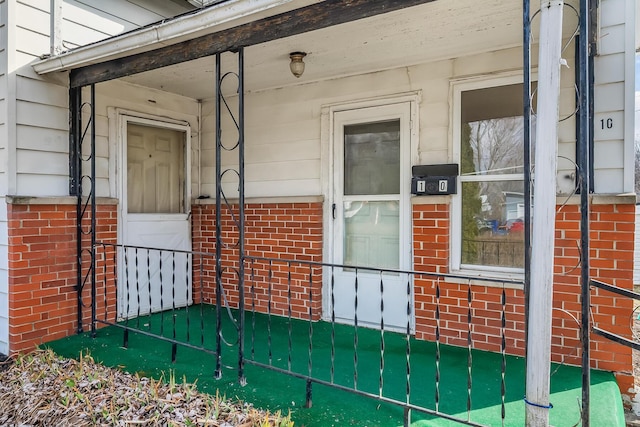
[(492, 177)]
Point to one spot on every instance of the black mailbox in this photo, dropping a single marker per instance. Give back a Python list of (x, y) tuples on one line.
[(434, 179)]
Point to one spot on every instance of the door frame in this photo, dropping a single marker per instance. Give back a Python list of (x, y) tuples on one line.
[(124, 118), (412, 100)]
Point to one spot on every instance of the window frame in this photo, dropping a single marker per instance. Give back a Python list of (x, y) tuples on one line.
[(455, 252)]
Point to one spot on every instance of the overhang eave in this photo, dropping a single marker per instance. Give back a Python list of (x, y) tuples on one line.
[(167, 32), (304, 19)]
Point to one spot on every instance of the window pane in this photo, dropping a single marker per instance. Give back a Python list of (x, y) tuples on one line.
[(492, 131), (155, 169), (496, 146), (372, 158), (371, 235), (493, 223)]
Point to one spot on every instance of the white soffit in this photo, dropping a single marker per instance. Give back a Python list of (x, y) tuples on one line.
[(205, 21)]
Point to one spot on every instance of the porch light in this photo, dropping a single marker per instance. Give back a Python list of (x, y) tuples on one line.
[(297, 64)]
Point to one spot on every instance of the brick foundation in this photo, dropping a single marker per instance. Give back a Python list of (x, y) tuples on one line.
[(289, 231), (42, 277), (42, 271), (611, 234)]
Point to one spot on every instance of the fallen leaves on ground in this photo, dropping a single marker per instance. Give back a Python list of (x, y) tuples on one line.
[(43, 389)]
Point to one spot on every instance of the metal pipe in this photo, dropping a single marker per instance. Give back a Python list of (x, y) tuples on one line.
[(408, 407), (55, 22), (218, 371), (310, 352), (584, 169), (526, 105), (93, 211), (241, 378), (75, 187)]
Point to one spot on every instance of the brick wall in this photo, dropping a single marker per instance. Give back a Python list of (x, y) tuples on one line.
[(611, 261), (291, 231), (42, 276), (42, 271), (272, 230)]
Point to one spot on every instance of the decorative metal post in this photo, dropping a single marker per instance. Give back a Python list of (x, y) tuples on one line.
[(75, 186), (237, 219), (218, 371), (77, 136), (92, 197), (584, 120), (526, 105), (241, 378)]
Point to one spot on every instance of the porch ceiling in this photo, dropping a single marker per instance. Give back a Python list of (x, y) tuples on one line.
[(431, 31)]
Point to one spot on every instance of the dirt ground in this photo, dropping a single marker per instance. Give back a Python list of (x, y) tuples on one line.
[(42, 389)]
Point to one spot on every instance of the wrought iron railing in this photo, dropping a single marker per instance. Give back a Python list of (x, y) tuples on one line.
[(155, 292), (297, 322), (326, 339)]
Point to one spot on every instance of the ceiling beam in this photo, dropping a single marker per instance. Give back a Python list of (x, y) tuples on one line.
[(298, 21)]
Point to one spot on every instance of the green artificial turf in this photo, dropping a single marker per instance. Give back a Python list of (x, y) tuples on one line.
[(352, 369)]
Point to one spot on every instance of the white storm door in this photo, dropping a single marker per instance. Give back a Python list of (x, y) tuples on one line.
[(155, 214), (372, 216)]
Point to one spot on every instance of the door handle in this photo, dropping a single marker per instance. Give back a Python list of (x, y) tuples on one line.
[(333, 211)]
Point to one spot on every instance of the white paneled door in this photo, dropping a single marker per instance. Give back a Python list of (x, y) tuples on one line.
[(371, 215), (155, 215)]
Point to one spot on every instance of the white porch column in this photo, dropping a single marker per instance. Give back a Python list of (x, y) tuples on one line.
[(544, 210)]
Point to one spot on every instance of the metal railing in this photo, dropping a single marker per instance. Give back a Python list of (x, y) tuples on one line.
[(349, 328), (289, 284), (155, 292)]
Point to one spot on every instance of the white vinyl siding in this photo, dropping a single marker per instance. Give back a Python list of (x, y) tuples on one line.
[(41, 111), (614, 99), (283, 126), (34, 115), (38, 146), (4, 241), (42, 159), (87, 21), (283, 146), (135, 99), (284, 152)]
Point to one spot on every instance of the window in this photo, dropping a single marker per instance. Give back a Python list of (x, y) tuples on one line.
[(488, 223), (372, 169)]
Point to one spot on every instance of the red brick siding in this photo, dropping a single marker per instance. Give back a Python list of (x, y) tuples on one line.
[(289, 231), (611, 261), (42, 271), (42, 264)]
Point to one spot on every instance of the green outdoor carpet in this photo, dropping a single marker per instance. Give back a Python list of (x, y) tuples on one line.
[(360, 370)]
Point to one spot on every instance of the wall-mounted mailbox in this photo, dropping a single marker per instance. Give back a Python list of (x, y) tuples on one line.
[(434, 179)]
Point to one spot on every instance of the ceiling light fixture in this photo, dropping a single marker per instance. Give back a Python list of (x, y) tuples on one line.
[(297, 64)]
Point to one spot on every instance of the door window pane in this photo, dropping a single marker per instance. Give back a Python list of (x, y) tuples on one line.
[(155, 170), (372, 158), (371, 235)]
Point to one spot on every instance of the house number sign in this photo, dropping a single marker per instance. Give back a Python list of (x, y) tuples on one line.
[(606, 123)]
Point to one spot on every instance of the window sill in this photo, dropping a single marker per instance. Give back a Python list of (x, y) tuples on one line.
[(489, 278)]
